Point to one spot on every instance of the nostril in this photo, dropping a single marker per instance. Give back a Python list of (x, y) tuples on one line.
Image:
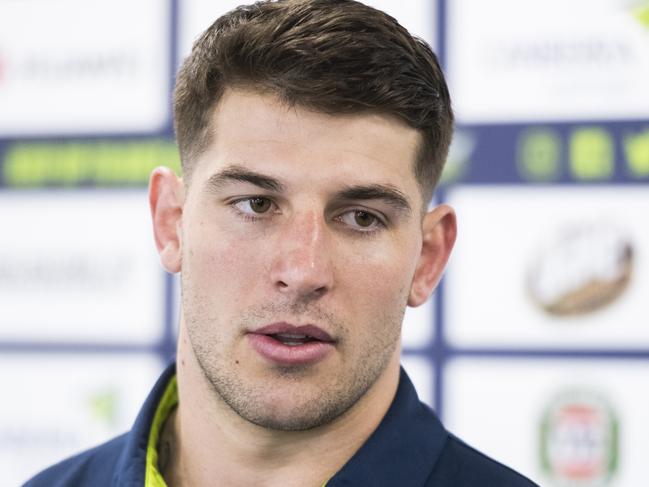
[(282, 284)]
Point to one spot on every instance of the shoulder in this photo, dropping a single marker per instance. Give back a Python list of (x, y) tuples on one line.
[(462, 465), (94, 467)]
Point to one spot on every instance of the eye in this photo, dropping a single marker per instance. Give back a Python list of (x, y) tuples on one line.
[(254, 205), (361, 220), (259, 205), (364, 219)]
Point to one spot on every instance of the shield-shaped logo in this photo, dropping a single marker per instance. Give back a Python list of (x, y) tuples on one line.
[(579, 440)]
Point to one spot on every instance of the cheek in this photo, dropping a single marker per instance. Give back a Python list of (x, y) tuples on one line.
[(213, 260), (374, 302), (379, 282), (388, 283)]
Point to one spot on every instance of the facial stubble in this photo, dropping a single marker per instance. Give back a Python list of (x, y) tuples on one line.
[(315, 400)]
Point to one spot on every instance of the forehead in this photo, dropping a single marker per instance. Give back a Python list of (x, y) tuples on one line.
[(260, 132)]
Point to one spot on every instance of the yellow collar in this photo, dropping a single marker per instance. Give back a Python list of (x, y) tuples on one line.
[(152, 476)]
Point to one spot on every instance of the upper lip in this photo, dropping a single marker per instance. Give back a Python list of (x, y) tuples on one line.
[(311, 331)]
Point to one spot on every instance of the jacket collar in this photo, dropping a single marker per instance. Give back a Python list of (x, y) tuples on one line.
[(130, 468), (402, 450)]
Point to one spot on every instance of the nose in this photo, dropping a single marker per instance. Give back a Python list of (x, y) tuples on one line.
[(302, 265)]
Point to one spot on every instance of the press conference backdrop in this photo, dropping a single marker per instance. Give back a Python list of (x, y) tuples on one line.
[(535, 348)]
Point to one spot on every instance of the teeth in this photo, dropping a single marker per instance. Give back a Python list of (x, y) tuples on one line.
[(292, 339), (289, 336)]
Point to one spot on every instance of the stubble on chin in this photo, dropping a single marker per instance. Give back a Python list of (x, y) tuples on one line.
[(287, 398)]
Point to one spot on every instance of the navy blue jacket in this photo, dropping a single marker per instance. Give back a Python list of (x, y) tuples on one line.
[(410, 448)]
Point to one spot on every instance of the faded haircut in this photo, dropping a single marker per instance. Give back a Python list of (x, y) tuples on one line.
[(331, 56)]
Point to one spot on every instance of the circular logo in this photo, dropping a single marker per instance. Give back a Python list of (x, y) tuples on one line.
[(579, 440)]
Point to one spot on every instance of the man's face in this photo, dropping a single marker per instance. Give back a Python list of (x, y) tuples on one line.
[(301, 233)]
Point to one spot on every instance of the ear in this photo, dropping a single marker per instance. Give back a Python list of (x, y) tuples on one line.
[(439, 229), (166, 197)]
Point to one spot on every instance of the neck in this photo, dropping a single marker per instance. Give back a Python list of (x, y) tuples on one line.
[(210, 444)]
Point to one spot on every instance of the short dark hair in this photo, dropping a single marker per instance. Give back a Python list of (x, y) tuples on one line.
[(332, 56)]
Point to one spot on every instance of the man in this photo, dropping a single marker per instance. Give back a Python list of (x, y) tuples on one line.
[(312, 133)]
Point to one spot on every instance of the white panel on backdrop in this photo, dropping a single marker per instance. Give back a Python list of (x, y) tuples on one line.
[(418, 326), (512, 60), (79, 266), (418, 16), (197, 15), (56, 405), (176, 305), (420, 370), (549, 267), (76, 67), (508, 409)]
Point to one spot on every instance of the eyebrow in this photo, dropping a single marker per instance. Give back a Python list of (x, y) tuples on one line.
[(236, 173), (383, 192)]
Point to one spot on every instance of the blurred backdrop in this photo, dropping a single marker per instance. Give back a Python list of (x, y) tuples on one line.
[(535, 348)]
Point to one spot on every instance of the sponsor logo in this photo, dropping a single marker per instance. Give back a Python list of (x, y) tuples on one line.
[(539, 155), (586, 268), (586, 153), (91, 65), (557, 53), (636, 148), (103, 405), (78, 271), (640, 11), (459, 157), (592, 154), (101, 163), (579, 438), (32, 69)]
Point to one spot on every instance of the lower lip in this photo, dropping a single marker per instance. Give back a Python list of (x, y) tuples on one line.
[(275, 351)]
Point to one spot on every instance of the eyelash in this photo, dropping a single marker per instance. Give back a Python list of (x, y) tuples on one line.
[(379, 223), (251, 217), (376, 227)]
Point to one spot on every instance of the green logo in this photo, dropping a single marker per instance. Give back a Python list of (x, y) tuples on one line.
[(459, 157), (579, 438), (103, 405), (592, 154), (102, 163), (636, 148), (539, 155), (641, 12)]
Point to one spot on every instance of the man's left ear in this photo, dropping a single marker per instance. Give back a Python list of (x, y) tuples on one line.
[(439, 229)]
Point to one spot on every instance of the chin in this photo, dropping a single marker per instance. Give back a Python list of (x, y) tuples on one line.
[(292, 418), (298, 407)]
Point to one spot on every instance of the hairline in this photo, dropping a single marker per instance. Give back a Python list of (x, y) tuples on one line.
[(201, 144)]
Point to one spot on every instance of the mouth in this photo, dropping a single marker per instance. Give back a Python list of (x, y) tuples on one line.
[(294, 335), (293, 340), (286, 344)]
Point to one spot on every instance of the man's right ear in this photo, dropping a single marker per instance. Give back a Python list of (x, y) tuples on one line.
[(166, 196)]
